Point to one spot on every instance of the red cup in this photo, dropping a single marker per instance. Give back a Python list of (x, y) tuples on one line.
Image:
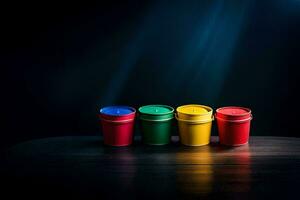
[(117, 128), (233, 125)]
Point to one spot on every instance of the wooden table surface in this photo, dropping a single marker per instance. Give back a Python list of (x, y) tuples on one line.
[(78, 166)]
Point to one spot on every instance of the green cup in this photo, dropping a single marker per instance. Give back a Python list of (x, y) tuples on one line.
[(156, 124)]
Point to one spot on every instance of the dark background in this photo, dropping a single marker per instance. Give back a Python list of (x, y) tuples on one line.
[(62, 62)]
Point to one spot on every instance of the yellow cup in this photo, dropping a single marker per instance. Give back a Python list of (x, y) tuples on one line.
[(194, 123)]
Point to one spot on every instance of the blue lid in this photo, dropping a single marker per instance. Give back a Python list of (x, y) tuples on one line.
[(117, 110)]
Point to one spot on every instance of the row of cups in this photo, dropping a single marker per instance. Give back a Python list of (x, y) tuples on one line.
[(194, 124)]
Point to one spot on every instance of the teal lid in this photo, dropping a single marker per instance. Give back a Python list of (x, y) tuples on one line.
[(156, 110)]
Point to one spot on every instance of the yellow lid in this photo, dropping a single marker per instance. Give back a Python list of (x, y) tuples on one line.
[(193, 109), (194, 112)]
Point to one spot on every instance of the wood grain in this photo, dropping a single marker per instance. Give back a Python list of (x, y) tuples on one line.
[(267, 167)]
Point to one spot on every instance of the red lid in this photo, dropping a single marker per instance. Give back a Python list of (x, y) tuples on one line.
[(233, 113)]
